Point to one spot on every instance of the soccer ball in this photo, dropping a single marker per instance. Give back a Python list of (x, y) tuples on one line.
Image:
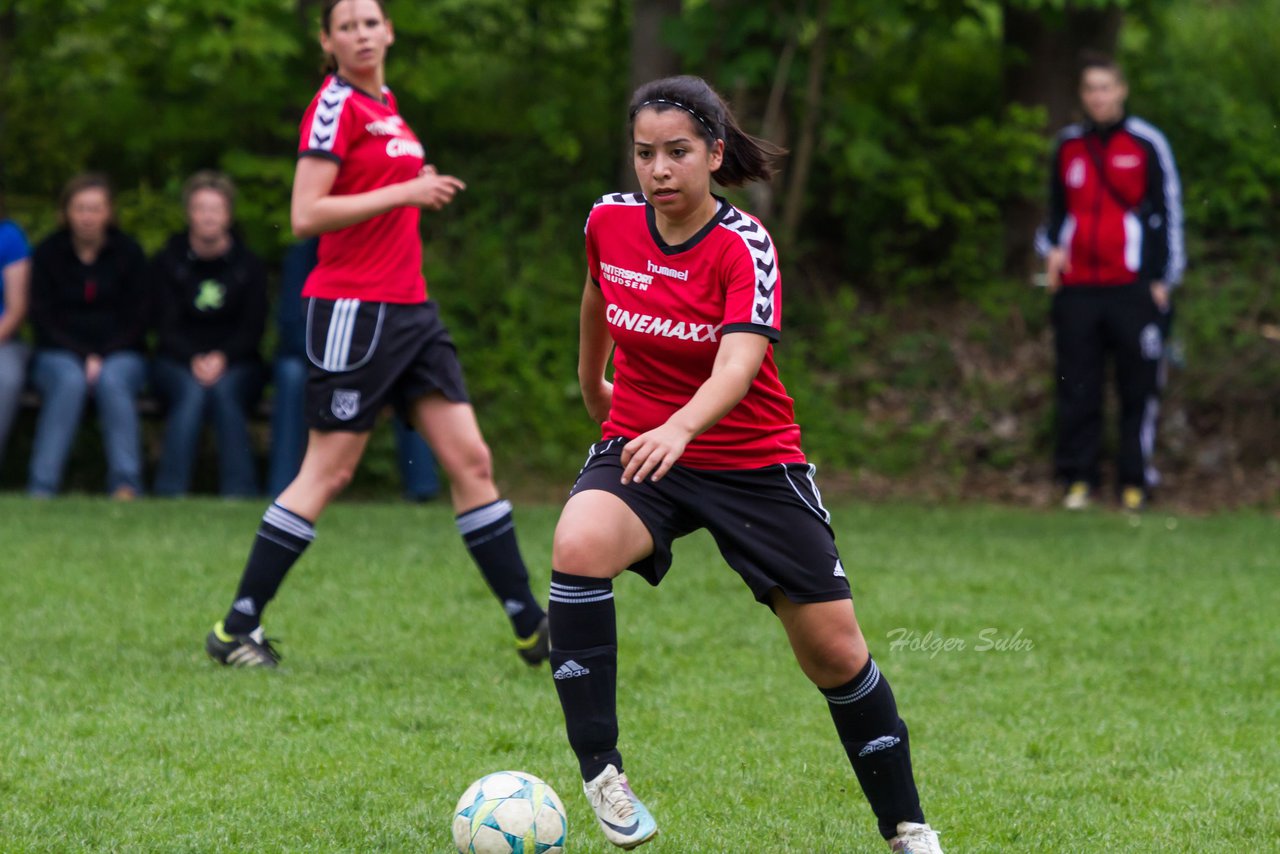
[(509, 812)]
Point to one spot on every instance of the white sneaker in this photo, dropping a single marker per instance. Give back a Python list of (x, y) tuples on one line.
[(915, 838), (1077, 497), (624, 820)]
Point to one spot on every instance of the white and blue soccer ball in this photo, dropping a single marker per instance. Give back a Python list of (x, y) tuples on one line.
[(509, 812)]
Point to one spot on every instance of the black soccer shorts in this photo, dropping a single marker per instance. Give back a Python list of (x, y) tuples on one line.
[(365, 355), (769, 523)]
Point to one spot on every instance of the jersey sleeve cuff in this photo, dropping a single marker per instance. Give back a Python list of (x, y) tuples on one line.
[(759, 328), (318, 152)]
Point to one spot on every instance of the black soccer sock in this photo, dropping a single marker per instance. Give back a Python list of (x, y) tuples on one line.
[(584, 664), (490, 535), (282, 537), (875, 738)]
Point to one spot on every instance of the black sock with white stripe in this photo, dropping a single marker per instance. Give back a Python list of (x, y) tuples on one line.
[(875, 738), (282, 538), (490, 535), (584, 664)]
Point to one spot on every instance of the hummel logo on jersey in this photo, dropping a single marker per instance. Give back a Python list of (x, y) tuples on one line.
[(839, 570), (245, 606), (884, 742), (626, 278), (663, 327), (570, 670), (682, 275)]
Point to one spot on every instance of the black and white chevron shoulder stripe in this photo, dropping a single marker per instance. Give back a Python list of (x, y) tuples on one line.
[(615, 199), (324, 121), (758, 243)]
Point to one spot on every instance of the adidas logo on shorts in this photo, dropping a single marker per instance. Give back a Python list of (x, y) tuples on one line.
[(839, 570), (570, 670)]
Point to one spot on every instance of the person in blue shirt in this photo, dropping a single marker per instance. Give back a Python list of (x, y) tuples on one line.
[(15, 282)]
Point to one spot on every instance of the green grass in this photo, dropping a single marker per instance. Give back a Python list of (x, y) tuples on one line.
[(1143, 717)]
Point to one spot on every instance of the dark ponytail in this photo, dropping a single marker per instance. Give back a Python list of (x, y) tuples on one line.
[(746, 158)]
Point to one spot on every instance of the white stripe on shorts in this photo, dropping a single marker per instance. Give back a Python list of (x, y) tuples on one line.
[(337, 346)]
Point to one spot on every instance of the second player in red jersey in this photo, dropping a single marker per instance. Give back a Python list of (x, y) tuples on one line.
[(373, 338)]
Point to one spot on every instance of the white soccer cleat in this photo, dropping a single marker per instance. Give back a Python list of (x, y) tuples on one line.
[(624, 820), (915, 838)]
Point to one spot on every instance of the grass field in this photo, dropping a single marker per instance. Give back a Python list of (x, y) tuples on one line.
[(1081, 683)]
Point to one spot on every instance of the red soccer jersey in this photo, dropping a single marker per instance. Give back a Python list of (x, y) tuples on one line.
[(667, 308), (380, 259)]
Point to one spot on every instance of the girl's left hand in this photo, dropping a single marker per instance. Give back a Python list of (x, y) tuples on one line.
[(652, 454)]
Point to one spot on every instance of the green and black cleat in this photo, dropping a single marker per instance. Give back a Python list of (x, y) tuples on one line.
[(251, 650), (536, 648)]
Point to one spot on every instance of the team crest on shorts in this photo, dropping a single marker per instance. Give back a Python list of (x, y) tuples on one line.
[(345, 404)]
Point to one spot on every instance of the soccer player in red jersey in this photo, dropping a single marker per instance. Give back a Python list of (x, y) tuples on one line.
[(373, 337), (683, 290)]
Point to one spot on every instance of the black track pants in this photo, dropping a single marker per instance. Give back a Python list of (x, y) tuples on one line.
[(1089, 324)]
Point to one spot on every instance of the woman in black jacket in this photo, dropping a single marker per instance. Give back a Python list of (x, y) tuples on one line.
[(211, 298), (89, 309)]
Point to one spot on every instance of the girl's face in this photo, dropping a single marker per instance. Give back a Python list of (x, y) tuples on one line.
[(89, 214), (358, 36), (209, 214), (673, 162)]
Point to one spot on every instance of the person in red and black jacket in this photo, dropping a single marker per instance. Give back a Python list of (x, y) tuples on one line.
[(90, 309), (1114, 254)]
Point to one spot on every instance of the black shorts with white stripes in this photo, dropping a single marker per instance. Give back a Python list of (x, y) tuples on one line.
[(769, 522), (365, 355)]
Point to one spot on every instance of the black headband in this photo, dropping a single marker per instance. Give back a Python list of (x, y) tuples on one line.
[(690, 110)]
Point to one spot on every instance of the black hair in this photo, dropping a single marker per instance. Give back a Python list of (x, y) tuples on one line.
[(746, 158), (326, 14)]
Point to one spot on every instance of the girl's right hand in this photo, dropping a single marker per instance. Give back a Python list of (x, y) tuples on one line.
[(431, 190)]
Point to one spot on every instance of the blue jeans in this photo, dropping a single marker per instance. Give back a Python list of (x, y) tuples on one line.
[(13, 376), (189, 405), (289, 437), (59, 377)]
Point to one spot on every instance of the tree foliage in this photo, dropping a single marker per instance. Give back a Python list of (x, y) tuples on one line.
[(908, 153)]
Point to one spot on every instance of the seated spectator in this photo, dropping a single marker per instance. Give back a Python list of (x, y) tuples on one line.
[(211, 308), (289, 376), (15, 275), (89, 309)]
